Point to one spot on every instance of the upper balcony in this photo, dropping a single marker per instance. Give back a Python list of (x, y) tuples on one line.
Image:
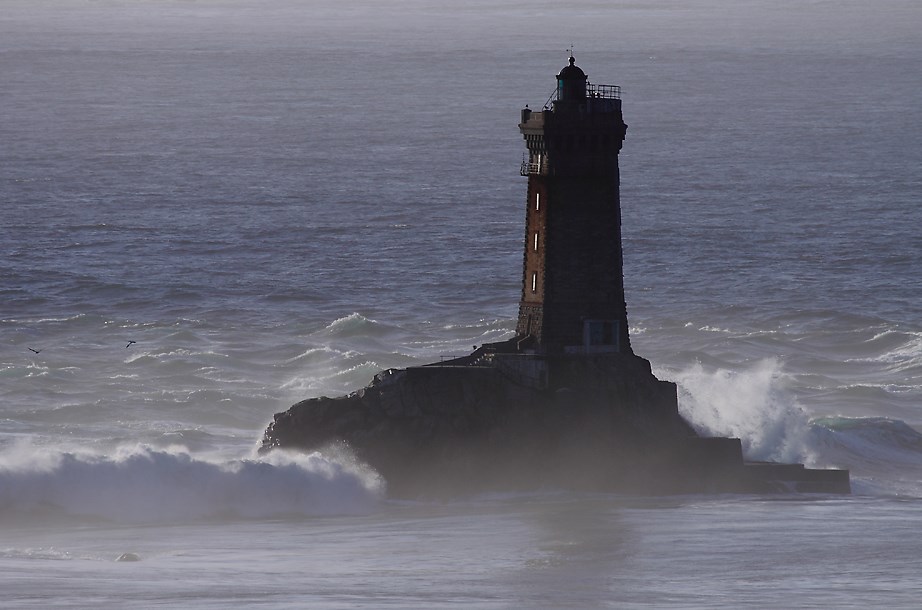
[(593, 91)]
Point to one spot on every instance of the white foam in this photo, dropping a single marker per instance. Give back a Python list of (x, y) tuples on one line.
[(750, 404)]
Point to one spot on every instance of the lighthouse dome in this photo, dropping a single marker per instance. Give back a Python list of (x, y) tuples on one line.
[(571, 72), (571, 83)]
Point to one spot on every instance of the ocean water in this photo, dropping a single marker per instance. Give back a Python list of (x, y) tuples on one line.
[(275, 200)]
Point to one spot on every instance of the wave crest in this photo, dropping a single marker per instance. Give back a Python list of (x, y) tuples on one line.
[(885, 454), (145, 485)]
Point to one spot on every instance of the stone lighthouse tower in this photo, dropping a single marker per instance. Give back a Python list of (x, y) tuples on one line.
[(573, 285)]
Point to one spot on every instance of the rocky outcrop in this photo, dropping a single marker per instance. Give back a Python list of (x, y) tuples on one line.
[(496, 421)]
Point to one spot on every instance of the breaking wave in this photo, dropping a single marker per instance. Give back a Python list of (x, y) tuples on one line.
[(144, 485), (757, 406), (751, 405)]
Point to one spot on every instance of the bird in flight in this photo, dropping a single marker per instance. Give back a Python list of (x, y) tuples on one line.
[(129, 344), (37, 351)]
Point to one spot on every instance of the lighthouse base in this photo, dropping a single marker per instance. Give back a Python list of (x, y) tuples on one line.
[(499, 420)]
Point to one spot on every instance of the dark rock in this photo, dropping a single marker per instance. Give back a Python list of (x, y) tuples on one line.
[(509, 421)]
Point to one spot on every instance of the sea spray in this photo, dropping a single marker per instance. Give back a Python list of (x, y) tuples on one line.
[(143, 485), (749, 404), (757, 405)]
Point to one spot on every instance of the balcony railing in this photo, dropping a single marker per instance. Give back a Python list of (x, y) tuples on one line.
[(599, 92), (603, 92)]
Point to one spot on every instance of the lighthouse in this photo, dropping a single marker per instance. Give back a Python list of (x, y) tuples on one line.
[(565, 403), (573, 285)]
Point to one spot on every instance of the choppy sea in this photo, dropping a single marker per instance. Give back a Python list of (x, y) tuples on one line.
[(213, 209)]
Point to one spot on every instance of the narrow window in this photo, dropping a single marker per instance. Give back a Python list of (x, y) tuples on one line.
[(536, 242), (534, 282), (537, 201)]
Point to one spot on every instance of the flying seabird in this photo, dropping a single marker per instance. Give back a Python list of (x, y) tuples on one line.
[(129, 343), (37, 351)]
